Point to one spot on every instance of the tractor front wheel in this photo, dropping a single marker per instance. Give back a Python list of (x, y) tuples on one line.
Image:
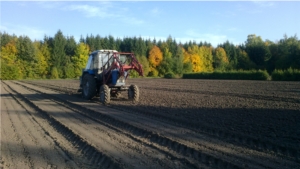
[(133, 93), (104, 94), (88, 86)]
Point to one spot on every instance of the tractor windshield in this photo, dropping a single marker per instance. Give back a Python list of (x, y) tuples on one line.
[(125, 59), (88, 65), (105, 60)]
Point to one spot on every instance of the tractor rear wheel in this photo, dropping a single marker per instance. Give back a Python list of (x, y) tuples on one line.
[(104, 94), (88, 87), (133, 93)]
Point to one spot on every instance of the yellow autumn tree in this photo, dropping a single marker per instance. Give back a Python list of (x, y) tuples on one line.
[(197, 63), (9, 52), (186, 56), (42, 63), (192, 56), (44, 49), (221, 53), (206, 56), (155, 56), (220, 59), (187, 65), (10, 65), (80, 59), (200, 58)]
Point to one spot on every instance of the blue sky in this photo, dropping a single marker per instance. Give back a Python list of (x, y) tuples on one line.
[(210, 21)]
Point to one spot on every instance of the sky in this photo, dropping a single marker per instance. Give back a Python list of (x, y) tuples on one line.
[(212, 21)]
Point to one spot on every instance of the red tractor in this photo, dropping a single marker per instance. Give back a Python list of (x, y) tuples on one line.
[(105, 75)]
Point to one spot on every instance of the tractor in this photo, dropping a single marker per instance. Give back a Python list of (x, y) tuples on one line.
[(105, 75)]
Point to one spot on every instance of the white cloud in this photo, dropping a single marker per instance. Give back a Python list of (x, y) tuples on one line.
[(22, 30), (106, 10), (100, 9), (89, 11)]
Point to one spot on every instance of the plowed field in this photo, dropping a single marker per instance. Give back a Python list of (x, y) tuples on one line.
[(177, 123)]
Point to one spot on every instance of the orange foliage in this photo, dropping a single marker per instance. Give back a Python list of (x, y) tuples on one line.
[(155, 56)]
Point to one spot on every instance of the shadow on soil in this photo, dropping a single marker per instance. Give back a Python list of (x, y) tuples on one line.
[(4, 95), (279, 125)]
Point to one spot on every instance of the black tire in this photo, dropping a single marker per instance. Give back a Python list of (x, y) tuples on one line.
[(104, 94), (88, 87), (133, 93)]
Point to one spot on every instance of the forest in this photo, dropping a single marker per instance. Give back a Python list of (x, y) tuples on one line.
[(62, 57)]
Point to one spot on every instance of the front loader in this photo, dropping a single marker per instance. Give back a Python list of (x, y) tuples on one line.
[(105, 75)]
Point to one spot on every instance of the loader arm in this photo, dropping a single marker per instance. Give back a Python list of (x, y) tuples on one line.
[(134, 64), (122, 67)]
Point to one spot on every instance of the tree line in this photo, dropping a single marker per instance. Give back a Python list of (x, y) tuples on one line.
[(62, 57)]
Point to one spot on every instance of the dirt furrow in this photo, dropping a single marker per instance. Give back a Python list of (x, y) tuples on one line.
[(70, 151), (181, 149), (198, 110), (246, 140), (249, 122), (130, 155), (38, 149), (200, 152), (13, 153), (206, 159), (90, 157)]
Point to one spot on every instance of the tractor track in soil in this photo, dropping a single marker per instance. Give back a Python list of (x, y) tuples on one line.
[(24, 141), (160, 158), (140, 135), (84, 154), (180, 148), (235, 137), (211, 147)]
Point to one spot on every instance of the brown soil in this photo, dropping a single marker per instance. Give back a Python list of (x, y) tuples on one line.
[(176, 124)]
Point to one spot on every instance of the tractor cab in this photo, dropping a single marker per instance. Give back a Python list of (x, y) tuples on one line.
[(97, 60)]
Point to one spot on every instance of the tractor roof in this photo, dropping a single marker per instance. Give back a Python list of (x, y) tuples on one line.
[(103, 51)]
